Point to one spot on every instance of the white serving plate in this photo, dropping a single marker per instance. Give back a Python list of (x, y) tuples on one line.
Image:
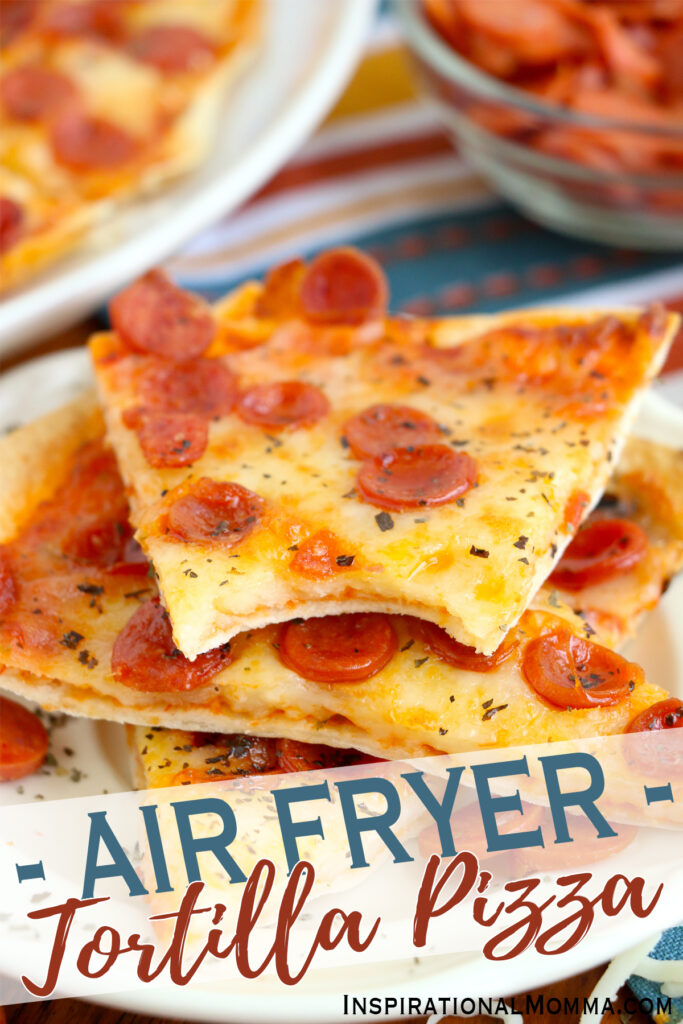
[(100, 761), (297, 75)]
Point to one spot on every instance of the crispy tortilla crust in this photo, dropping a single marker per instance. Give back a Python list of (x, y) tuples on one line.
[(34, 458), (184, 147), (205, 621)]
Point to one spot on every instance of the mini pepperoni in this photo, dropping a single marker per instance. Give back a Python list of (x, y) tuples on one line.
[(155, 316), (23, 741), (17, 15), (8, 587), (455, 653), (213, 512), (415, 477), (145, 657), (33, 93), (281, 287), (571, 672), (132, 561), (99, 18), (338, 648), (83, 143), (173, 439), (321, 556), (205, 387), (380, 429), (11, 223), (103, 543), (665, 714), (343, 286), (289, 403), (602, 549), (173, 48)]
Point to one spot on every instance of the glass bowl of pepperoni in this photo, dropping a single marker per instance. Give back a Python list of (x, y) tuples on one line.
[(570, 109)]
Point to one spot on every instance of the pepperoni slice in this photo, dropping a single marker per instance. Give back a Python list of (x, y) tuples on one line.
[(321, 556), (103, 18), (455, 653), (83, 143), (281, 287), (105, 543), (11, 223), (155, 316), (380, 429), (289, 403), (33, 93), (571, 672), (8, 587), (602, 549), (23, 741), (338, 648), (205, 387), (17, 15), (145, 657), (170, 440), (414, 477), (665, 714), (213, 512), (173, 48), (343, 286)]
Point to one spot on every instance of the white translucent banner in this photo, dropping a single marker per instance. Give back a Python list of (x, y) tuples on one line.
[(497, 853)]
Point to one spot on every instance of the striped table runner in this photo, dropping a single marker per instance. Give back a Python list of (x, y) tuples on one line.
[(381, 174)]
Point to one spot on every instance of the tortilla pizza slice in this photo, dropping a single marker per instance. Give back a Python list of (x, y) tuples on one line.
[(82, 630), (300, 453)]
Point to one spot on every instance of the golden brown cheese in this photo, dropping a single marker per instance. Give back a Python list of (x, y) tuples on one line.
[(416, 704)]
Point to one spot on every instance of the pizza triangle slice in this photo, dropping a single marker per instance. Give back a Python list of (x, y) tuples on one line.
[(298, 452), (103, 103), (82, 630)]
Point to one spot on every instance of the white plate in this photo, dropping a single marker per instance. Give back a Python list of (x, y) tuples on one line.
[(298, 74), (99, 760)]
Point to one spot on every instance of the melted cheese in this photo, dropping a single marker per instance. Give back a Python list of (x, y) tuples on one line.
[(116, 87), (416, 704)]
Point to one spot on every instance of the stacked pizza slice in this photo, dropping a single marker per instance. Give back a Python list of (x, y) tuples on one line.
[(293, 517)]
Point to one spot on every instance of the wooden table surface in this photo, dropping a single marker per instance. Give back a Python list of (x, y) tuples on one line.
[(68, 1011)]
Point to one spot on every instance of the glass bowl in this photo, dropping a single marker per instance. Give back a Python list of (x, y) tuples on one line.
[(548, 160)]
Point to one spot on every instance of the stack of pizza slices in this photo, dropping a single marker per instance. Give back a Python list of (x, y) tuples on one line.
[(293, 530)]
